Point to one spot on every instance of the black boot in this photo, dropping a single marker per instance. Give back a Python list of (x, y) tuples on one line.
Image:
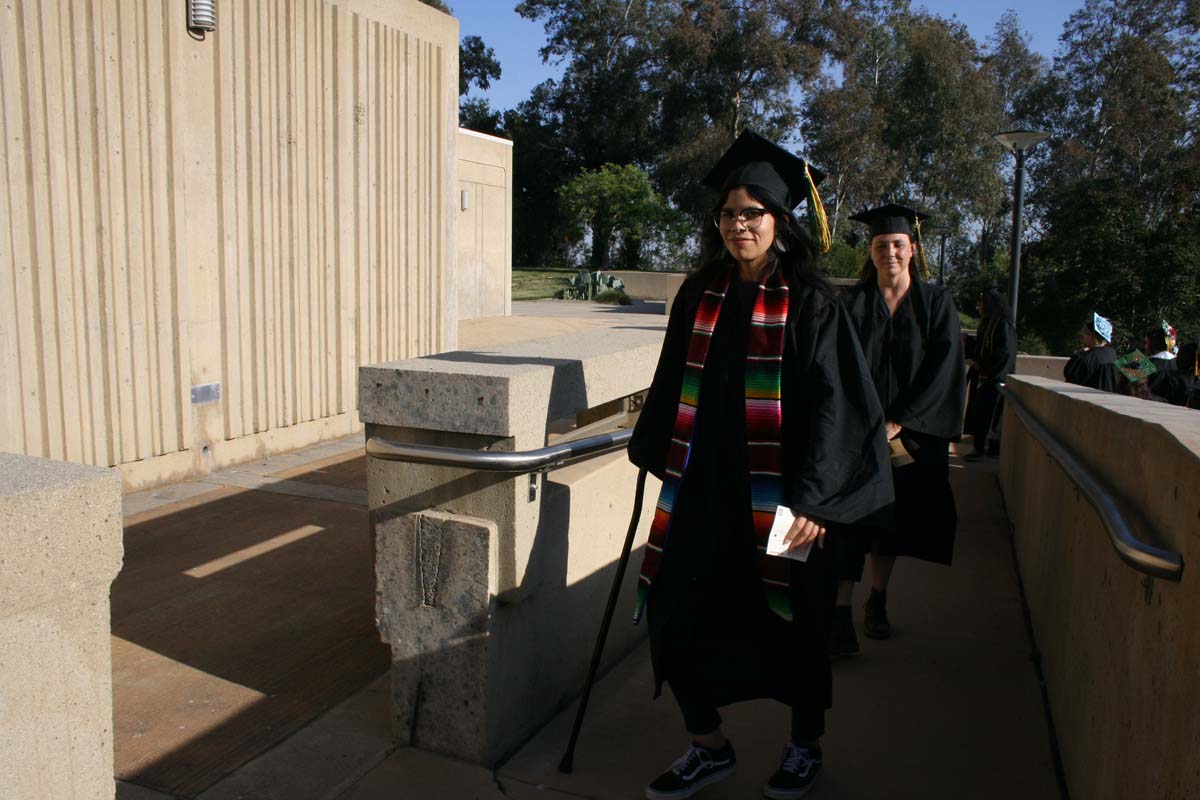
[(875, 620), (843, 641)]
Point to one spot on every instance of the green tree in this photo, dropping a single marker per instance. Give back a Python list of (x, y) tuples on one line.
[(618, 203), (1116, 192), (728, 65)]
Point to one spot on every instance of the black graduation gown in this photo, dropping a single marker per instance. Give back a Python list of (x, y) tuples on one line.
[(1096, 368), (709, 623), (1168, 384), (916, 360), (995, 357)]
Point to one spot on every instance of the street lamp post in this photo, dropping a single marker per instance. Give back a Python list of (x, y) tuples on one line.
[(1018, 142)]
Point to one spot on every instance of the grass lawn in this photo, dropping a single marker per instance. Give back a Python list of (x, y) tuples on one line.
[(538, 284)]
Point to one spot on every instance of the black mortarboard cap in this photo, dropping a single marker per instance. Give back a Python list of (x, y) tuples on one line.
[(891, 218), (753, 160)]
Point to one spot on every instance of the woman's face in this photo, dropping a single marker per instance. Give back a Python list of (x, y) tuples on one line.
[(747, 240), (890, 253)]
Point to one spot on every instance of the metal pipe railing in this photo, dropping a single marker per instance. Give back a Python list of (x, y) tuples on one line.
[(556, 455), (1131, 549)]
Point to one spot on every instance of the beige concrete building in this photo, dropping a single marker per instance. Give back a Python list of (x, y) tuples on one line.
[(204, 235)]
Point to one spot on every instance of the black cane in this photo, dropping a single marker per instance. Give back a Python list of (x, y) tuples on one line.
[(568, 760)]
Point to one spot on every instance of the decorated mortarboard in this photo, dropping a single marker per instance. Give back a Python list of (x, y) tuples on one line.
[(1135, 366), (753, 160), (1170, 335), (895, 218), (1102, 327)]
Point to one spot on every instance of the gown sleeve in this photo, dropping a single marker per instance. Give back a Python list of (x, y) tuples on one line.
[(999, 359), (652, 433), (934, 400), (837, 467), (1076, 369)]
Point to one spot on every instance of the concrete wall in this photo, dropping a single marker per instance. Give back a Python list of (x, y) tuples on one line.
[(490, 608), (1041, 366), (61, 546), (1119, 658), (651, 285), (263, 209), (484, 265)]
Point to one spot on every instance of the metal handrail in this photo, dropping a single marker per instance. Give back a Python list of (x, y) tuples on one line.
[(556, 455), (1143, 557)]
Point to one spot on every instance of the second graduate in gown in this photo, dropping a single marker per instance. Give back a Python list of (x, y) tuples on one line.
[(911, 338)]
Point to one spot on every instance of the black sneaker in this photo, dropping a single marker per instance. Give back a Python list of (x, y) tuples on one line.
[(875, 620), (796, 774), (694, 770), (843, 641)]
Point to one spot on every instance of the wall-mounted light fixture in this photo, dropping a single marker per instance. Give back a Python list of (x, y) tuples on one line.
[(464, 200), (202, 15)]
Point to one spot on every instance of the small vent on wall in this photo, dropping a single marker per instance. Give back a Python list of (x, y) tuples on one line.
[(202, 15)]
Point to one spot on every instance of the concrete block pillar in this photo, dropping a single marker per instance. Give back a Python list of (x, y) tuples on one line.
[(60, 549), (491, 585), (436, 579)]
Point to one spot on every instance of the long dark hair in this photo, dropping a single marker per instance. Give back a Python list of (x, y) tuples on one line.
[(994, 305), (794, 252), (866, 276)]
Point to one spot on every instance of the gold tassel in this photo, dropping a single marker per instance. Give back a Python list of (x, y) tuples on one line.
[(919, 252), (816, 215)]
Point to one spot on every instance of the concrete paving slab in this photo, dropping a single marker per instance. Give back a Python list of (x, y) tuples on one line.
[(300, 458), (321, 761), (313, 491), (131, 791), (410, 774), (142, 502), (949, 707)]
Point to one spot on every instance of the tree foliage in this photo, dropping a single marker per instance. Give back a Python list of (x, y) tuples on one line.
[(618, 204), (892, 103)]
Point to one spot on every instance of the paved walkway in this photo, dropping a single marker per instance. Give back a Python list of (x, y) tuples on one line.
[(950, 707)]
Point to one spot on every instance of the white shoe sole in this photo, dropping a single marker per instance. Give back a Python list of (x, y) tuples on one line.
[(654, 794)]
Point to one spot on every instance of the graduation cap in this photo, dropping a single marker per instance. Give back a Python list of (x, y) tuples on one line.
[(895, 218), (753, 160), (1135, 366), (1102, 327), (891, 218)]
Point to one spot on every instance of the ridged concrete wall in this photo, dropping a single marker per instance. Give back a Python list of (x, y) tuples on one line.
[(1118, 654), (265, 207)]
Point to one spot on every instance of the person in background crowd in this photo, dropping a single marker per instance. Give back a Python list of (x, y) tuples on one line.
[(1188, 370), (1136, 372), (1095, 364), (994, 357), (761, 408), (911, 338), (1168, 383)]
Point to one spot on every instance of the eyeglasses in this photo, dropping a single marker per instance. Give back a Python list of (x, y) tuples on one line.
[(750, 217)]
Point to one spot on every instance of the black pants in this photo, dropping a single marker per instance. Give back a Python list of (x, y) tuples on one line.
[(701, 717), (722, 645)]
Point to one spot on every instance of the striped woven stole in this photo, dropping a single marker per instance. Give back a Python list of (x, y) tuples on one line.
[(764, 418)]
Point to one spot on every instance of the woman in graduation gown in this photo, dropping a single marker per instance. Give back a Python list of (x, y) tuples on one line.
[(1096, 364), (911, 338), (761, 400)]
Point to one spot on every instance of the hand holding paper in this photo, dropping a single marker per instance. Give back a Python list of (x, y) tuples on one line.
[(784, 522)]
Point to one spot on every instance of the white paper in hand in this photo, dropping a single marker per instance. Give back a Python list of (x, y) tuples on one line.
[(779, 528)]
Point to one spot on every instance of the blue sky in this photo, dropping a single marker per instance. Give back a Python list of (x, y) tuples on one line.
[(517, 41)]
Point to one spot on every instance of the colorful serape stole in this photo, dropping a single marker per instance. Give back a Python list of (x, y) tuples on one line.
[(764, 418)]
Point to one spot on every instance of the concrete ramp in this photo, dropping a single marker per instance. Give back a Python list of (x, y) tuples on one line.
[(950, 707)]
